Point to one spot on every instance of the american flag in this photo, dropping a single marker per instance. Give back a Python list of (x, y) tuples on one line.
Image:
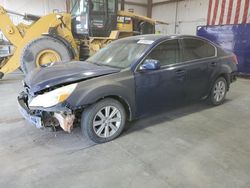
[(222, 12)]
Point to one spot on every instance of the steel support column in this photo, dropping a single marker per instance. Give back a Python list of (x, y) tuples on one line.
[(149, 8)]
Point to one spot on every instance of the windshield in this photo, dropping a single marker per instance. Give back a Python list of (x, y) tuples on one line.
[(79, 13), (120, 54)]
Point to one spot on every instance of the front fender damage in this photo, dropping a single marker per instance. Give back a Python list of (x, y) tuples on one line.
[(59, 116), (66, 121)]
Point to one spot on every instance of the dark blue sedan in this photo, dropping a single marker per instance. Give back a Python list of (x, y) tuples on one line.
[(126, 80)]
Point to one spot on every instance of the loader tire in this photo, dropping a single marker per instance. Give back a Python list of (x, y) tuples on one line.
[(42, 51)]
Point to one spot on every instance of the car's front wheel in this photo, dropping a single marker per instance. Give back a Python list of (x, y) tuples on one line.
[(103, 121), (218, 92)]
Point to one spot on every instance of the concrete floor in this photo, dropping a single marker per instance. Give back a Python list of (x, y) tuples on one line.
[(193, 146)]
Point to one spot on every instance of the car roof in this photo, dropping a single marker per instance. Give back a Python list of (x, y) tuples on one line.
[(159, 37)]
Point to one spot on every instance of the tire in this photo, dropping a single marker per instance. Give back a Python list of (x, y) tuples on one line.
[(97, 133), (218, 92), (34, 48)]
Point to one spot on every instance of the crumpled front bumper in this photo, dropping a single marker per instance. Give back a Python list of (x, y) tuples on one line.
[(28, 114), (50, 117)]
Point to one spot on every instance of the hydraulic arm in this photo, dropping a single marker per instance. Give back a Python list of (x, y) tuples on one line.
[(21, 35)]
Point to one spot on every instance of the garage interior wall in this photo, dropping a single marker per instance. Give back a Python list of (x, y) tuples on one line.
[(183, 16), (43, 7), (137, 9), (37, 7)]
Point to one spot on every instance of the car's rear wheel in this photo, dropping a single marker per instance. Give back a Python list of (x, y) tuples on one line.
[(218, 92), (103, 121)]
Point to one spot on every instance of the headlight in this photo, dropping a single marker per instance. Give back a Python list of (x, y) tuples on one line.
[(54, 97)]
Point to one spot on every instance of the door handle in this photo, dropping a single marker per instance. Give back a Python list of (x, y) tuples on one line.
[(213, 64), (180, 72)]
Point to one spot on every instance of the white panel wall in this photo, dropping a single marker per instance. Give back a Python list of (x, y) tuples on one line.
[(137, 9), (43, 7), (165, 13), (38, 7), (190, 14)]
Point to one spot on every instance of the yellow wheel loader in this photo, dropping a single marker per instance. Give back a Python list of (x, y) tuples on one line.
[(61, 37)]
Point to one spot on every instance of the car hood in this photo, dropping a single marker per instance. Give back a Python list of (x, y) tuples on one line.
[(64, 73)]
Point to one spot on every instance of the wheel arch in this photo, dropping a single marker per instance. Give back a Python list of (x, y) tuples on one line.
[(225, 72), (222, 73), (124, 103), (226, 76), (119, 98), (94, 90)]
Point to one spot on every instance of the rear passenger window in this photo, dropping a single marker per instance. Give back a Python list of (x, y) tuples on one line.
[(167, 52), (196, 49)]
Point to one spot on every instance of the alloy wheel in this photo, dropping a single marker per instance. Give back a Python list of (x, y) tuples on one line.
[(219, 91), (107, 121)]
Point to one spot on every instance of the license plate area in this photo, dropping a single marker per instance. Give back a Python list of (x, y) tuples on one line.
[(34, 120)]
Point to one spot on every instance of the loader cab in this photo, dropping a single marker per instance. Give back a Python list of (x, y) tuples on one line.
[(94, 18)]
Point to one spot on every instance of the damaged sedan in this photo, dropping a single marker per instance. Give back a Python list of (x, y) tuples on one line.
[(126, 80)]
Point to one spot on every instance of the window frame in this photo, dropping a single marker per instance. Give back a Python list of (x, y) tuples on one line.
[(206, 41), (137, 69), (115, 7), (100, 3)]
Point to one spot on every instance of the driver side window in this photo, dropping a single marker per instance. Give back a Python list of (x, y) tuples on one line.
[(167, 52)]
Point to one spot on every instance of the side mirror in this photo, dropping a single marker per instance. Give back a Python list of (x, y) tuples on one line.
[(150, 64)]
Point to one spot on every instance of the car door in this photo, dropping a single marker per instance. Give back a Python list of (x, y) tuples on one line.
[(198, 57), (157, 89)]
